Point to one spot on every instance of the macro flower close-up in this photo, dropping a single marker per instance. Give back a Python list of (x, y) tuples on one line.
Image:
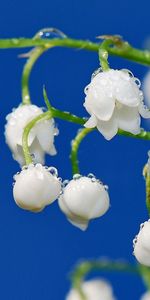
[(41, 138), (75, 150), (114, 101)]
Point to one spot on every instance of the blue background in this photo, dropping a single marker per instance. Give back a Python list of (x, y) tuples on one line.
[(37, 251)]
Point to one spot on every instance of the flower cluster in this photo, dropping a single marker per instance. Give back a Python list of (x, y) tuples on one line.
[(93, 290)]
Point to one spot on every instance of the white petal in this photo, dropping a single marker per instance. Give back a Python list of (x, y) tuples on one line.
[(35, 150), (108, 128), (101, 104), (129, 119), (81, 224), (35, 188), (83, 200), (146, 296), (45, 132), (91, 123), (141, 254), (125, 89), (144, 111), (94, 290)]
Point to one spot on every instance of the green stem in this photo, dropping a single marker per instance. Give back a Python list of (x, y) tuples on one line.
[(75, 147), (103, 54), (27, 129), (35, 54), (125, 51), (145, 273), (69, 118), (82, 270)]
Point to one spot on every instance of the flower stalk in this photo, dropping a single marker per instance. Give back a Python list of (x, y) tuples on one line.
[(30, 125), (33, 56), (125, 51), (82, 133)]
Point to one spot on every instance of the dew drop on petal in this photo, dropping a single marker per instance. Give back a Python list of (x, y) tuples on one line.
[(50, 33), (141, 226), (138, 82), (64, 183), (106, 187), (77, 176), (93, 179), (90, 175), (129, 72), (97, 71), (25, 167), (53, 171)]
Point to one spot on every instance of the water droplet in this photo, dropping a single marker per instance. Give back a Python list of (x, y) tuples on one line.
[(97, 71), (106, 187), (77, 176), (138, 82), (90, 175), (61, 192), (93, 179), (32, 155), (129, 72), (15, 41), (50, 33), (25, 167), (13, 184), (141, 226), (64, 183), (60, 179), (86, 89), (53, 171)]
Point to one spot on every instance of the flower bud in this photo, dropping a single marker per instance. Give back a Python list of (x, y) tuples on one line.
[(41, 137), (93, 290), (142, 244), (114, 101), (35, 187), (84, 199)]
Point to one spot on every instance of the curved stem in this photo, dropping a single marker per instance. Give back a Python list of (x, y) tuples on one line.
[(103, 54), (82, 270), (35, 54), (27, 129), (70, 118), (125, 50), (75, 147)]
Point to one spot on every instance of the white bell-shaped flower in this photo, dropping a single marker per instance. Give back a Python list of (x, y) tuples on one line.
[(83, 199), (142, 244), (146, 296), (35, 187), (114, 101), (93, 290), (41, 137)]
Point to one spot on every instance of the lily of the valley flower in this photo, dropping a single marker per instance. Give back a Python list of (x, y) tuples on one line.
[(114, 101), (83, 199), (93, 290), (35, 187), (142, 244), (41, 137), (146, 296)]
